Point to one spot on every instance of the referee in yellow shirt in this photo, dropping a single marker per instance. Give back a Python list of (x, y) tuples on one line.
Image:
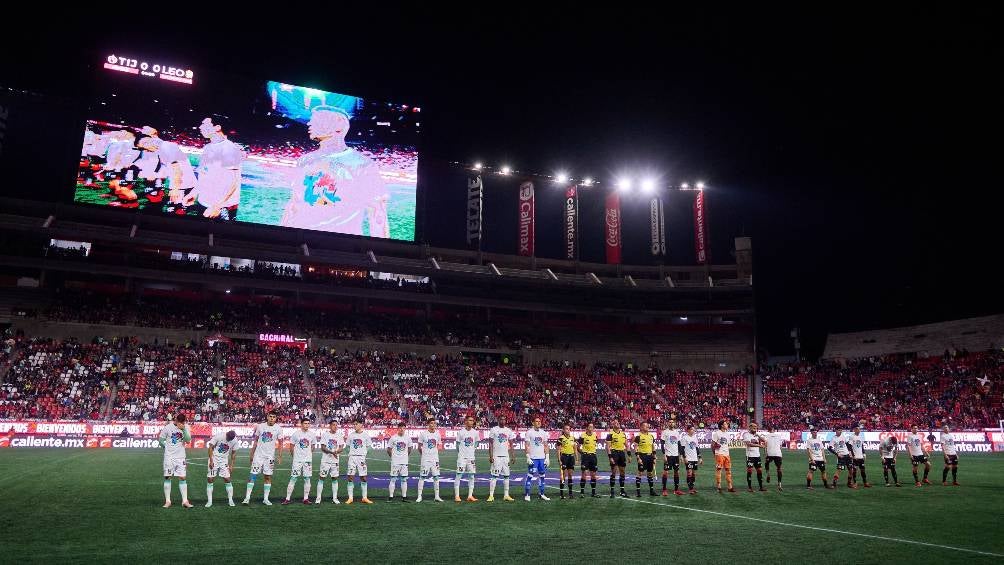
[(644, 445), (567, 448), (617, 450), (587, 460)]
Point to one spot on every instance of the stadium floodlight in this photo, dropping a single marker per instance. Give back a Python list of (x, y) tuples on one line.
[(477, 166), (561, 177), (228, 291), (506, 170), (624, 185), (684, 186), (648, 186), (587, 182), (700, 186)]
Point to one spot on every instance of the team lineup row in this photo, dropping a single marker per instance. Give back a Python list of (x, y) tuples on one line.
[(679, 449)]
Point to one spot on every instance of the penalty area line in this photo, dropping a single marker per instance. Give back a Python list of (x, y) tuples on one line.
[(816, 528)]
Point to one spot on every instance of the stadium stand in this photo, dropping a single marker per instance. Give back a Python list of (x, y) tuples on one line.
[(972, 334)]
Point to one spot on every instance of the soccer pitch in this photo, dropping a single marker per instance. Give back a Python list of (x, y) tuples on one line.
[(62, 506)]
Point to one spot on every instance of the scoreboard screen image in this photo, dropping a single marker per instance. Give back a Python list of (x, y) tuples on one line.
[(166, 139)]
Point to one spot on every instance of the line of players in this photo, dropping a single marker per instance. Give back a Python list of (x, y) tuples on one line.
[(679, 448)]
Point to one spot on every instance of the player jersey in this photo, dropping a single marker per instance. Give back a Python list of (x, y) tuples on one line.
[(722, 439), (689, 447), (219, 173), (399, 449), (467, 442), (840, 445), (335, 190), (915, 444), (536, 443), (221, 447), (174, 441), (645, 443), (948, 444), (268, 438), (170, 153), (358, 442), (617, 441), (332, 441), (501, 440), (671, 442), (302, 445), (857, 444), (887, 449), (753, 451), (430, 445), (815, 447), (566, 445), (587, 443), (774, 442)]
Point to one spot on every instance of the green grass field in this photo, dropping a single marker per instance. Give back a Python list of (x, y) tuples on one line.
[(70, 506)]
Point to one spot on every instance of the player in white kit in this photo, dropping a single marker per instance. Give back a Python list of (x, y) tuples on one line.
[(951, 452), (301, 447), (857, 443), (399, 448), (359, 443), (840, 446), (887, 450), (753, 442), (918, 454), (671, 457), (537, 459), (817, 458), (173, 438), (336, 188), (430, 443), (217, 193), (264, 456), (467, 443), (500, 451), (774, 440), (691, 457), (222, 452), (332, 444)]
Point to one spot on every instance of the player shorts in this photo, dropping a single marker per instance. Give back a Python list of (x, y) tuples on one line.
[(691, 465), (357, 466), (429, 469), (820, 465), (219, 469), (859, 463), (888, 463), (671, 462), (263, 465), (646, 462), (303, 469), (723, 462), (775, 459), (500, 466), (752, 462), (618, 459), (843, 462), (567, 462), (399, 470), (175, 467), (329, 469), (918, 459), (465, 465), (952, 459), (537, 467), (589, 462)]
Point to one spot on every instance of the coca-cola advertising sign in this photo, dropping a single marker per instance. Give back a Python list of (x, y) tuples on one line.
[(526, 219), (612, 228)]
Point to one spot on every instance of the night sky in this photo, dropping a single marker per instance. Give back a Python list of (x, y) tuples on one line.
[(857, 149)]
